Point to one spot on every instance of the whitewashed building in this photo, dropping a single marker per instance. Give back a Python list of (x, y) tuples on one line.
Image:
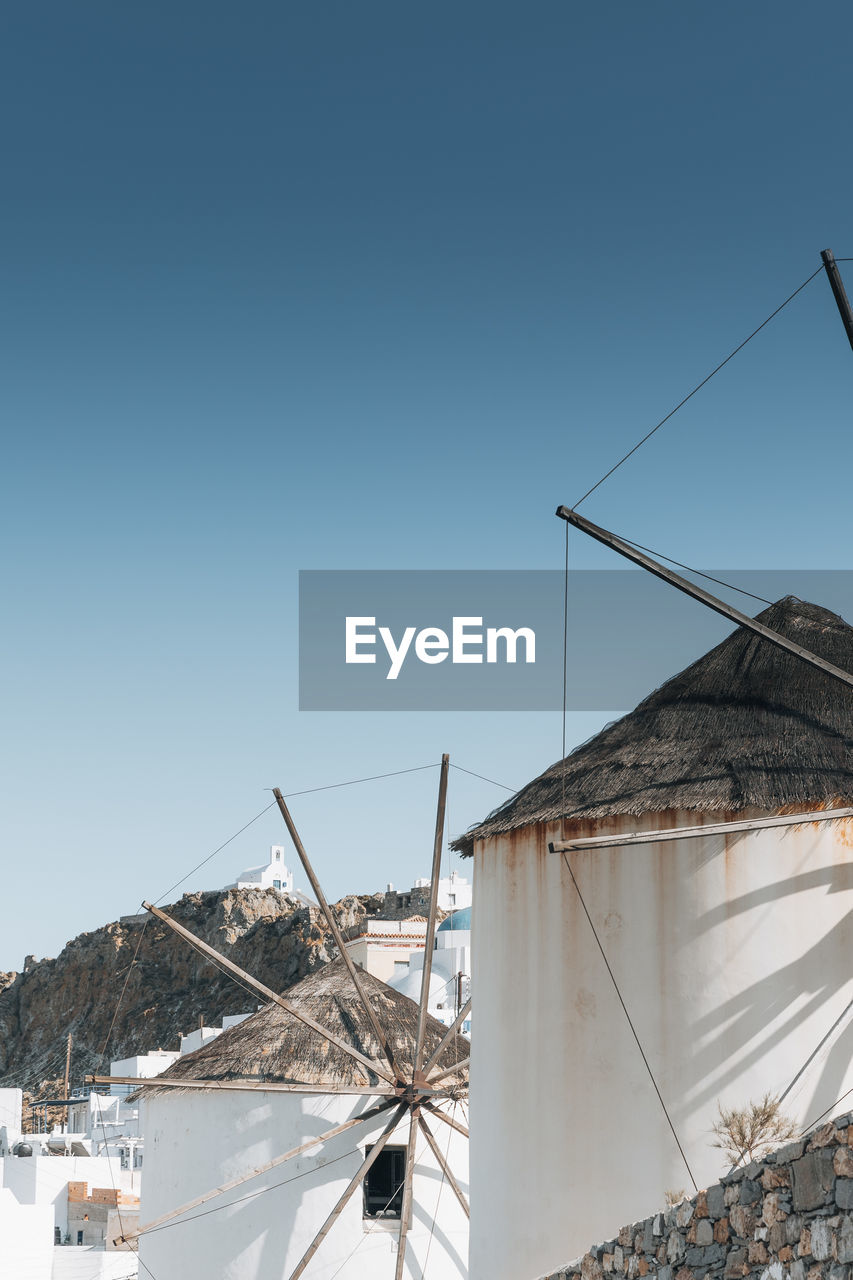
[(384, 947), (198, 1139), (271, 875), (731, 952), (454, 893), (26, 1238), (450, 975)]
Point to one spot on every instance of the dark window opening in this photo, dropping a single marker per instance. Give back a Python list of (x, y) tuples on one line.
[(383, 1185)]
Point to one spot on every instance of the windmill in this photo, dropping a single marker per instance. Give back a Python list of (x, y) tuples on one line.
[(407, 1067)]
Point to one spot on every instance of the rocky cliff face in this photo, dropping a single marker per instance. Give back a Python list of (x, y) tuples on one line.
[(135, 985)]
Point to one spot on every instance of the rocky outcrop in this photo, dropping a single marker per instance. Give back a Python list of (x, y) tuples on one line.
[(134, 985)]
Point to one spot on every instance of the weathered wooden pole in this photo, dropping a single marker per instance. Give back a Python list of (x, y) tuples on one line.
[(438, 842), (461, 1065), (333, 926), (450, 1120), (254, 1173), (288, 1007), (698, 593), (448, 1036), (408, 1181), (443, 1165), (352, 1187), (836, 284)]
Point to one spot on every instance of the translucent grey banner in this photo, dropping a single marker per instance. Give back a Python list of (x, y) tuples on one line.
[(492, 640)]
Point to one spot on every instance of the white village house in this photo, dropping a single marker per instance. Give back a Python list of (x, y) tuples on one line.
[(450, 976), (61, 1206), (731, 951), (392, 949)]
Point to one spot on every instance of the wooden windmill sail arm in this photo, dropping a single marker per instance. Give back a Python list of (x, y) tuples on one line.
[(448, 1071), (698, 593), (245, 1085), (448, 1036), (333, 925), (255, 1173), (353, 1186), (406, 1208), (433, 912), (442, 1115), (288, 1007), (443, 1165)]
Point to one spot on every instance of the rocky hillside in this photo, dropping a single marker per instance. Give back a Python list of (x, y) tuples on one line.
[(135, 985)]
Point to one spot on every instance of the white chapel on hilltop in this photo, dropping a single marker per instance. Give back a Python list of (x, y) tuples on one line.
[(272, 875)]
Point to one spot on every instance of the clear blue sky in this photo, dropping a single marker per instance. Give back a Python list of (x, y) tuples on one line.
[(374, 286)]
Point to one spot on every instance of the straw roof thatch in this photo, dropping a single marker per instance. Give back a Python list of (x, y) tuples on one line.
[(274, 1046), (746, 726)]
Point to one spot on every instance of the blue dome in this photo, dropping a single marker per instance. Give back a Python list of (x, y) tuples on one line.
[(458, 920)]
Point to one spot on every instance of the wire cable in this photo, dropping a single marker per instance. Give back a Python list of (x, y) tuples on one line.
[(438, 1197), (483, 778), (226, 973), (353, 782), (710, 577), (332, 786), (837, 1101), (251, 1195), (369, 1231), (816, 1050), (630, 1023), (124, 988), (699, 386), (204, 861)]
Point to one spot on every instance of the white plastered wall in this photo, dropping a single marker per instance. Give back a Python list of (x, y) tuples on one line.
[(733, 957), (195, 1141)]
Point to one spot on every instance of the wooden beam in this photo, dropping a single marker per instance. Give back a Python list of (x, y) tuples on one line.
[(406, 1208), (448, 1036), (461, 1065), (244, 1085), (333, 925), (451, 1120), (698, 593), (438, 841), (708, 829), (443, 1165), (353, 1186), (255, 1173), (838, 292), (288, 1007)]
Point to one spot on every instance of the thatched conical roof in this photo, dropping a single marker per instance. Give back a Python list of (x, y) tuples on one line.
[(746, 726), (273, 1045)]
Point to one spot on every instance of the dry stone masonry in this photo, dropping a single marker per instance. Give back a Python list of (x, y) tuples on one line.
[(788, 1217)]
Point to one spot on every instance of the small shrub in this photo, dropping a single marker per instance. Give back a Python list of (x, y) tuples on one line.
[(747, 1133)]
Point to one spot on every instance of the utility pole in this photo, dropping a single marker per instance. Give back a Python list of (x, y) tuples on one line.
[(839, 293), (67, 1076)]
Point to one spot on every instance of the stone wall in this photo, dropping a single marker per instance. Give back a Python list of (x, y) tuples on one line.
[(787, 1217)]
